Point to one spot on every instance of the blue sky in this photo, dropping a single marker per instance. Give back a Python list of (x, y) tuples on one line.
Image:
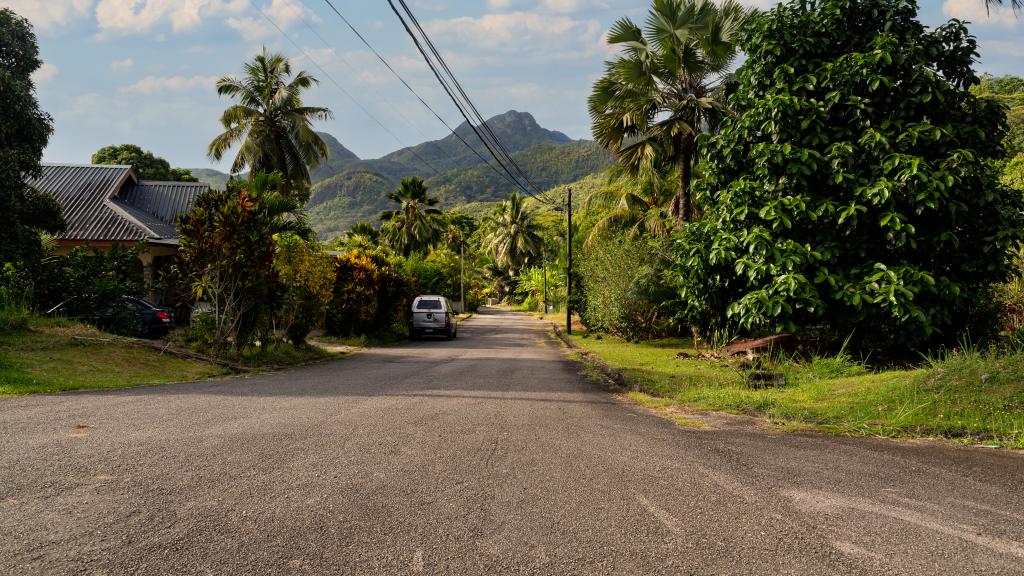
[(143, 71)]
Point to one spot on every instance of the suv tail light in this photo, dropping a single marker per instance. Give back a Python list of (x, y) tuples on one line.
[(447, 320), (163, 315)]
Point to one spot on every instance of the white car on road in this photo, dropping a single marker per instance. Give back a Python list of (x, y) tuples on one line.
[(433, 316)]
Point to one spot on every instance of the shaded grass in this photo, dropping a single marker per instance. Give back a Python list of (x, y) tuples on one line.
[(973, 396), (57, 355)]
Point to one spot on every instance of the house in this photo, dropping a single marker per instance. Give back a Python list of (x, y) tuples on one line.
[(106, 205)]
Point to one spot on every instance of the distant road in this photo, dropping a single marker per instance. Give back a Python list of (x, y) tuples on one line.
[(484, 455)]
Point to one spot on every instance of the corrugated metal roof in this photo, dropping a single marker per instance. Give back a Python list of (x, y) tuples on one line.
[(158, 204), (108, 203)]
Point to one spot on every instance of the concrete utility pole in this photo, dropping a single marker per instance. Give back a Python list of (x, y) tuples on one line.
[(462, 276), (568, 274), (544, 259)]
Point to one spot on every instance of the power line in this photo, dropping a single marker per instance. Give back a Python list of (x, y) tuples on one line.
[(416, 94), (347, 93), (466, 108), (469, 102)]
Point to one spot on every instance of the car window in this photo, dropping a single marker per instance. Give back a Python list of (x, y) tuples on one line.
[(428, 305)]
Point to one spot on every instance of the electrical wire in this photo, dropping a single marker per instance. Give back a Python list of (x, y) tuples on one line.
[(416, 94), (465, 106), (348, 94)]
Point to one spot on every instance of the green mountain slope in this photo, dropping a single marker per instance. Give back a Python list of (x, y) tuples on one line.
[(352, 196)]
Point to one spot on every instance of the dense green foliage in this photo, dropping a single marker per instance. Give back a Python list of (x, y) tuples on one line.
[(24, 132), (415, 226), (878, 212), (624, 292), (227, 253), (660, 93), (95, 276), (270, 124), (306, 276), (1008, 91), (512, 235), (143, 162), (371, 295)]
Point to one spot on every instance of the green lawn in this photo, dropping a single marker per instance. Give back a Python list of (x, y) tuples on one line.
[(55, 356), (976, 397)]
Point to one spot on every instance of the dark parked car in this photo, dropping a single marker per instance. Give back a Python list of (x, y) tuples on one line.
[(126, 314)]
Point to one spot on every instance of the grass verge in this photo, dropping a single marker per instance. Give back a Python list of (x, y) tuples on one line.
[(56, 356), (968, 397)]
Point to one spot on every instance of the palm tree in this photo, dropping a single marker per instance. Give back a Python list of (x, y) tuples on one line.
[(663, 90), (512, 234), (270, 124), (1015, 4), (416, 225), (637, 204)]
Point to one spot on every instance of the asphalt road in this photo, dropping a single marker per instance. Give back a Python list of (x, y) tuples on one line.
[(485, 455)]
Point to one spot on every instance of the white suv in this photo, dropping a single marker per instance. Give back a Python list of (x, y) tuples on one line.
[(433, 316)]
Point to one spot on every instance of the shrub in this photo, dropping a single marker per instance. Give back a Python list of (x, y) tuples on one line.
[(623, 293), (371, 295), (307, 276)]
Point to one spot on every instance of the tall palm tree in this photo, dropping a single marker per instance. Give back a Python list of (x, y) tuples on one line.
[(1015, 4), (270, 124), (416, 225), (512, 234), (638, 204), (662, 91)]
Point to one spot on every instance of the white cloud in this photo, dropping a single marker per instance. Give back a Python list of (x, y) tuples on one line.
[(563, 5), (975, 11), (45, 72), (557, 37), (49, 15), (119, 65), (131, 16), (162, 84), (498, 4), (284, 13)]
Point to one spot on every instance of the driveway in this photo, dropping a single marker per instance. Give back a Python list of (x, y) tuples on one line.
[(485, 455)]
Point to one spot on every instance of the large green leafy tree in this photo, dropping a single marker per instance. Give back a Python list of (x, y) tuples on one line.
[(512, 234), (24, 132), (416, 225), (855, 190), (666, 87), (147, 166), (270, 124), (1009, 91)]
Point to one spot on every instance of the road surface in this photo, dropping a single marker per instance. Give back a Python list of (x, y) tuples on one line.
[(485, 455)]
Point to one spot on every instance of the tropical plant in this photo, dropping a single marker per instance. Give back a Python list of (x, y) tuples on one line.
[(270, 123), (637, 204), (306, 274), (666, 87), (512, 234), (416, 225), (1016, 4), (227, 254), (371, 295), (856, 191), (24, 132)]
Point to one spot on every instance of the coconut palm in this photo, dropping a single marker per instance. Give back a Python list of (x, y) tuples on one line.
[(664, 89), (416, 225), (637, 204), (270, 124), (1016, 4), (512, 234)]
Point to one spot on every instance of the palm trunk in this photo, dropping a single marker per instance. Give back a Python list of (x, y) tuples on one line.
[(684, 201)]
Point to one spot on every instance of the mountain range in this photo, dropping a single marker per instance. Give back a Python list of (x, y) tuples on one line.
[(347, 189)]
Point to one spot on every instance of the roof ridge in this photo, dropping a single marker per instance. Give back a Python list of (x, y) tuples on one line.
[(76, 165)]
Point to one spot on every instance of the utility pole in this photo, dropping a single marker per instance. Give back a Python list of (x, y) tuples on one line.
[(462, 275), (544, 259), (568, 274)]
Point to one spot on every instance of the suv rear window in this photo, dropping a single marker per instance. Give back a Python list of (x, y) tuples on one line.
[(428, 305)]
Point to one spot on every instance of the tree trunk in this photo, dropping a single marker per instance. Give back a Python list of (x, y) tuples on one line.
[(685, 199)]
